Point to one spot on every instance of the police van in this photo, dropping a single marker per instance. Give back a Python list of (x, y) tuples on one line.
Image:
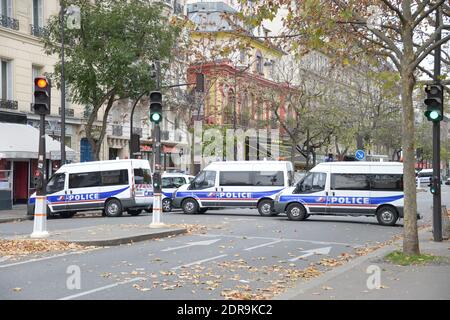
[(238, 184), (349, 189), (170, 181), (113, 186)]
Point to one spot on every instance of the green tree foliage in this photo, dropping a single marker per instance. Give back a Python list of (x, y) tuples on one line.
[(110, 56)]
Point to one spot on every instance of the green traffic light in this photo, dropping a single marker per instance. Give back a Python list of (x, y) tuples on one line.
[(434, 115), (155, 117)]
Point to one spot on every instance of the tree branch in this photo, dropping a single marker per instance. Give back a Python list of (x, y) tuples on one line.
[(427, 51), (396, 10), (426, 13)]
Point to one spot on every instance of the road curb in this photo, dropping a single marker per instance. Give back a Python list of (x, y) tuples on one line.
[(6, 220), (129, 239), (301, 287)]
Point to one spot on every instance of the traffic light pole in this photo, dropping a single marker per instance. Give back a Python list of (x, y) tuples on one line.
[(63, 90), (157, 205), (40, 206), (437, 219)]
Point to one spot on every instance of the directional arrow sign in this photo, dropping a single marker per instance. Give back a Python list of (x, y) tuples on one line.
[(190, 244), (323, 251)]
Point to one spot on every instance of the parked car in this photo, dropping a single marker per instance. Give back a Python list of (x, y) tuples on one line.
[(346, 189), (236, 184), (171, 181), (113, 186)]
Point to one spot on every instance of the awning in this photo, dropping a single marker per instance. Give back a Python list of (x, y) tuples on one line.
[(22, 141)]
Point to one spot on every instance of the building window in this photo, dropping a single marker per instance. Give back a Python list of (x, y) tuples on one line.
[(38, 13), (6, 8), (259, 62), (6, 80)]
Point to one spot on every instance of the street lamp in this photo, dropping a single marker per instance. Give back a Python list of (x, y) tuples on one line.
[(73, 22)]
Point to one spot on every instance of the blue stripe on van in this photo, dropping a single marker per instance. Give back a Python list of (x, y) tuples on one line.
[(213, 195), (339, 199), (81, 196)]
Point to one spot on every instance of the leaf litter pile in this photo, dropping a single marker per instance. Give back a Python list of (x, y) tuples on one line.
[(22, 247)]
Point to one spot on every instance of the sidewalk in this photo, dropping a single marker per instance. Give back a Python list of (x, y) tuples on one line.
[(17, 213), (430, 281)]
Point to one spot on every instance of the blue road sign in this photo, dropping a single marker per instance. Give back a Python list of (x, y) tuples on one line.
[(360, 154)]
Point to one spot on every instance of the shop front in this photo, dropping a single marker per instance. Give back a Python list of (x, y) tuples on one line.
[(18, 161)]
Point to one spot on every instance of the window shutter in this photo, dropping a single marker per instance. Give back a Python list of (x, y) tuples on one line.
[(40, 13), (9, 87), (9, 8)]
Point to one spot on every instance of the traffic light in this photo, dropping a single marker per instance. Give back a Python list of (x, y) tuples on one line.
[(155, 107), (433, 185), (42, 95), (156, 182), (200, 82), (434, 102), (38, 179), (135, 145)]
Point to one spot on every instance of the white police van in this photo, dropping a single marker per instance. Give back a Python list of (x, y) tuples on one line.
[(113, 186), (347, 188), (238, 184), (170, 181)]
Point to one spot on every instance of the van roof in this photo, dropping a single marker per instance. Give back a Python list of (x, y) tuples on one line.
[(361, 163), (104, 162), (70, 166), (264, 164)]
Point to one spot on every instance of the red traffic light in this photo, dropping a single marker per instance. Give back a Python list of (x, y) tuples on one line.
[(41, 82)]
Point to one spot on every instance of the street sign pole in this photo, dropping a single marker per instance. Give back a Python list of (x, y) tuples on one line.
[(437, 220), (157, 206)]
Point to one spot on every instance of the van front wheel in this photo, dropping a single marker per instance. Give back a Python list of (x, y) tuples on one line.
[(387, 216), (265, 207), (190, 206), (296, 211), (113, 208)]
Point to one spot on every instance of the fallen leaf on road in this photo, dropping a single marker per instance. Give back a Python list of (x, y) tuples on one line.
[(17, 289)]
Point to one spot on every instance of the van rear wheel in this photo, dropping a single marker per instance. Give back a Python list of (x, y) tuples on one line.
[(189, 206), (387, 216), (113, 208), (265, 208), (296, 212)]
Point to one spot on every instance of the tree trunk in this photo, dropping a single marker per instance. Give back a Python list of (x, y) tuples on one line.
[(293, 153), (99, 142), (411, 239)]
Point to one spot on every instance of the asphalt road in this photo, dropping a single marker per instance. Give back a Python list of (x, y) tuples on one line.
[(240, 251)]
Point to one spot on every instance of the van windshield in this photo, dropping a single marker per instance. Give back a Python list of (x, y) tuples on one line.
[(204, 179), (142, 176), (312, 182)]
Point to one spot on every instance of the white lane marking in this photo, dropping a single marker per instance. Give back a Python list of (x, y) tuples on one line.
[(199, 261), (262, 245), (322, 251), (100, 289), (283, 239), (44, 258), (197, 243)]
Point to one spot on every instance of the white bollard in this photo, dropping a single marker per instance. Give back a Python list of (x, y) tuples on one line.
[(40, 218), (157, 209)]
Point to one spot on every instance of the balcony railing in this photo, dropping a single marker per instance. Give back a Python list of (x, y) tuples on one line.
[(69, 112), (37, 31), (117, 130), (8, 104), (9, 22)]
